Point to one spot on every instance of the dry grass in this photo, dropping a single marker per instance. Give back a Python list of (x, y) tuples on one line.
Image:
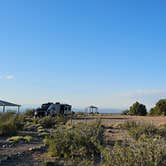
[(113, 124), (115, 120)]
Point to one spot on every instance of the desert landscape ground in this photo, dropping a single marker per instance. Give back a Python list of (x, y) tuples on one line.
[(66, 67), (35, 151)]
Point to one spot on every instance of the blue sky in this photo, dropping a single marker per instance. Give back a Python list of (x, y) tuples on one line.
[(109, 53)]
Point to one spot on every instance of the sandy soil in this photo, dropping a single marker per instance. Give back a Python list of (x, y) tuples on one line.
[(116, 119)]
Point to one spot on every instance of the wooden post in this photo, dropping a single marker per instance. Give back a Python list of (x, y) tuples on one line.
[(86, 114), (18, 109), (71, 118), (3, 108)]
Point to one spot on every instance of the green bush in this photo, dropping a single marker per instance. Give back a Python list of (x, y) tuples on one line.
[(8, 128), (7, 116), (137, 130), (125, 112), (159, 109), (17, 139), (162, 131), (19, 121), (80, 141), (28, 138), (50, 121), (137, 109), (29, 113), (82, 144), (10, 123), (150, 152)]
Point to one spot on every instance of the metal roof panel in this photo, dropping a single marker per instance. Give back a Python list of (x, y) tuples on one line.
[(5, 103)]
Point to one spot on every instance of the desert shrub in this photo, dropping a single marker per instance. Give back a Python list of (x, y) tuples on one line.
[(79, 162), (28, 138), (162, 131), (154, 112), (48, 121), (19, 121), (29, 113), (10, 123), (80, 141), (151, 152), (7, 116), (61, 119), (159, 109), (138, 109), (141, 130), (51, 121), (44, 134), (30, 127), (17, 139), (40, 129), (8, 128), (137, 130), (125, 112)]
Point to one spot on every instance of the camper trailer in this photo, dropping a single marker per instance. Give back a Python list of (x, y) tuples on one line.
[(53, 109), (57, 108)]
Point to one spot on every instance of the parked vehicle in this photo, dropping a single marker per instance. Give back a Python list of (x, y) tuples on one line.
[(53, 109)]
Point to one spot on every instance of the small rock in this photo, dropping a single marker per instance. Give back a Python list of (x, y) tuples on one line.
[(30, 149), (110, 131), (18, 153), (8, 157), (10, 146), (4, 146)]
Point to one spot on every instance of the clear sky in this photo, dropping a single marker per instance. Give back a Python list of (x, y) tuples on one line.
[(104, 52)]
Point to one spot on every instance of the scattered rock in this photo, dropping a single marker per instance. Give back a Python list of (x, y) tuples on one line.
[(6, 145), (30, 149), (40, 148), (110, 131), (3, 146)]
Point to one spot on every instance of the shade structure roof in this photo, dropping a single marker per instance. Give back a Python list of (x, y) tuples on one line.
[(93, 107), (8, 104)]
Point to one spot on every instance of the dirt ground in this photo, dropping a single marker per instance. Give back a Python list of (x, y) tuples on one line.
[(111, 122), (115, 119), (23, 155)]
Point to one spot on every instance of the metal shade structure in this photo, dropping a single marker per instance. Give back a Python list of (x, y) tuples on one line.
[(5, 104), (91, 109)]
